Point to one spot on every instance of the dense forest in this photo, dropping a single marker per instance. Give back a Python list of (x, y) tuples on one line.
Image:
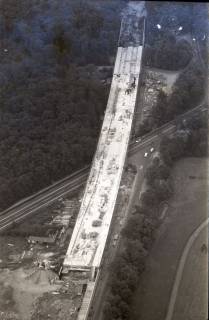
[(51, 97), (51, 102), (173, 49), (171, 31)]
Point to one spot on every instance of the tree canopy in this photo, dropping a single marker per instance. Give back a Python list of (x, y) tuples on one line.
[(51, 100)]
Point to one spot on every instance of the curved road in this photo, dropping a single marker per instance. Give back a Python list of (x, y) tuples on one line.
[(180, 269)]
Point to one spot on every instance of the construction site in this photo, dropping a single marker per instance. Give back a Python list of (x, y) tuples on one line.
[(31, 283), (92, 225), (87, 244), (55, 271), (57, 263)]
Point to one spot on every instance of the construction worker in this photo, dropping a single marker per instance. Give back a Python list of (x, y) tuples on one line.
[(133, 85)]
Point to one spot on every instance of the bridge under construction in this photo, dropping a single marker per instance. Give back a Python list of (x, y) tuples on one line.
[(85, 251)]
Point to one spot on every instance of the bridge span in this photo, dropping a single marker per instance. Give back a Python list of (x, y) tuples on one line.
[(85, 251)]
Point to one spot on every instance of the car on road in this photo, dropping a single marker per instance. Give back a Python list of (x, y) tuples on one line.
[(146, 154), (152, 149), (138, 140)]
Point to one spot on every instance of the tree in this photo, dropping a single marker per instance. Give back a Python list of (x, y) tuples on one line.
[(152, 173), (87, 18), (172, 149), (13, 10), (61, 41), (163, 189), (135, 254), (148, 198), (159, 111), (132, 228), (111, 308)]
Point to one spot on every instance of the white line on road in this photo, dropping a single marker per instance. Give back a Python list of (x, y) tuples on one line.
[(40, 199), (180, 269), (37, 208)]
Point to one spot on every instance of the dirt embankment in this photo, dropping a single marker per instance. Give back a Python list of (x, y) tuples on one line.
[(20, 288)]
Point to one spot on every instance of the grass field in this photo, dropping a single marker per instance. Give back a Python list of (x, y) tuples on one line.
[(192, 299), (187, 209)]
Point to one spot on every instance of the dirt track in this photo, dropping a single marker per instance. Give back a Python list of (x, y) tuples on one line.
[(24, 290)]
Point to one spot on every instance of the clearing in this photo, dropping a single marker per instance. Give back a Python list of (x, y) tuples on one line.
[(187, 210)]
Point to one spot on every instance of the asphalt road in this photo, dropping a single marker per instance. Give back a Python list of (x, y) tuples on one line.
[(182, 304), (23, 210), (141, 161), (70, 184), (166, 284)]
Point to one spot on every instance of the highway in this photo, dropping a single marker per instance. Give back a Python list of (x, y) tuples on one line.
[(142, 163), (78, 179)]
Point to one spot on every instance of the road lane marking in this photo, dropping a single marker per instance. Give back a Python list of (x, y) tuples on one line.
[(42, 198), (180, 269), (39, 207), (131, 151)]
